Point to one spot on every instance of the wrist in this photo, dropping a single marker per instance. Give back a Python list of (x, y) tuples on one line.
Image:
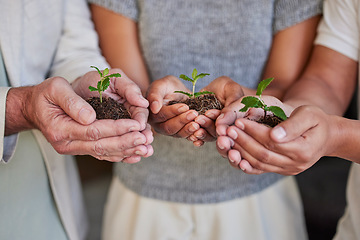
[(17, 117), (338, 136)]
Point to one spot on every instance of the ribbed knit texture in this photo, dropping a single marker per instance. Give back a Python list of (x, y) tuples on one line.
[(227, 37)]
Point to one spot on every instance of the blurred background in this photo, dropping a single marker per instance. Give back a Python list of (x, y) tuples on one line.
[(322, 188)]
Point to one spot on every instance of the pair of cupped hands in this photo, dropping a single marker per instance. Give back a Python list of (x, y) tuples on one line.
[(59, 111)]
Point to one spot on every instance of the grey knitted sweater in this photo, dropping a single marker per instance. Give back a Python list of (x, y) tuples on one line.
[(227, 37)]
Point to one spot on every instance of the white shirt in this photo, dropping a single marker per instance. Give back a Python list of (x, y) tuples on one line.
[(339, 30)]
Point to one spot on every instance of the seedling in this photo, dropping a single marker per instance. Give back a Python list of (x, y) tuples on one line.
[(193, 80), (104, 82), (257, 102)]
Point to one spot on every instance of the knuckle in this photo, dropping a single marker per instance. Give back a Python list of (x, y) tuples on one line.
[(160, 117), (70, 101), (167, 129), (54, 84), (61, 149), (270, 145), (53, 136), (99, 150), (265, 156), (92, 133)]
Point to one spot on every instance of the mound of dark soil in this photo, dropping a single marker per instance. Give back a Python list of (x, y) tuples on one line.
[(201, 103), (108, 109)]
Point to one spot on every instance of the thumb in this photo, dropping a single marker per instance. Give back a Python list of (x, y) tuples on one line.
[(295, 126), (73, 105), (155, 97)]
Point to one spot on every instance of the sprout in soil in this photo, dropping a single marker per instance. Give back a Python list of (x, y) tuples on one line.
[(104, 82), (193, 80), (257, 102)]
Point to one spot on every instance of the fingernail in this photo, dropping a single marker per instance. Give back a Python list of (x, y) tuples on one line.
[(138, 152), (192, 138), (231, 160), (279, 132), (233, 134), (210, 115), (200, 121), (183, 109), (191, 116), (221, 147), (200, 136), (85, 114), (131, 129), (155, 106), (193, 127), (221, 116), (240, 125), (139, 141)]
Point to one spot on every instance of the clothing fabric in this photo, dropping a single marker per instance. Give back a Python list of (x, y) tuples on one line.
[(40, 39), (26, 200), (19, 179), (134, 217), (339, 30), (231, 38)]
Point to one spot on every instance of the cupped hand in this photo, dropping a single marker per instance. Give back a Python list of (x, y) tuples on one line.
[(290, 148), (68, 121), (173, 120), (227, 91), (121, 89)]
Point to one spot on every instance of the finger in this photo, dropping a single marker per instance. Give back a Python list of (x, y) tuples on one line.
[(198, 143), (258, 156), (132, 155), (247, 168), (175, 125), (207, 124), (130, 91), (188, 131), (291, 158), (213, 114), (246, 163), (107, 147), (161, 89), (130, 160), (233, 92), (104, 128), (224, 119), (204, 135), (148, 133), (234, 158), (223, 145), (140, 114), (295, 126), (168, 112)]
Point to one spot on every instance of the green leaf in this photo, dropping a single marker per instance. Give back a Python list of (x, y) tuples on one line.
[(194, 73), (186, 78), (278, 112), (105, 72), (251, 101), (105, 83), (99, 86), (97, 70), (186, 93), (262, 85), (201, 75), (92, 88), (202, 93), (244, 109), (114, 75)]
